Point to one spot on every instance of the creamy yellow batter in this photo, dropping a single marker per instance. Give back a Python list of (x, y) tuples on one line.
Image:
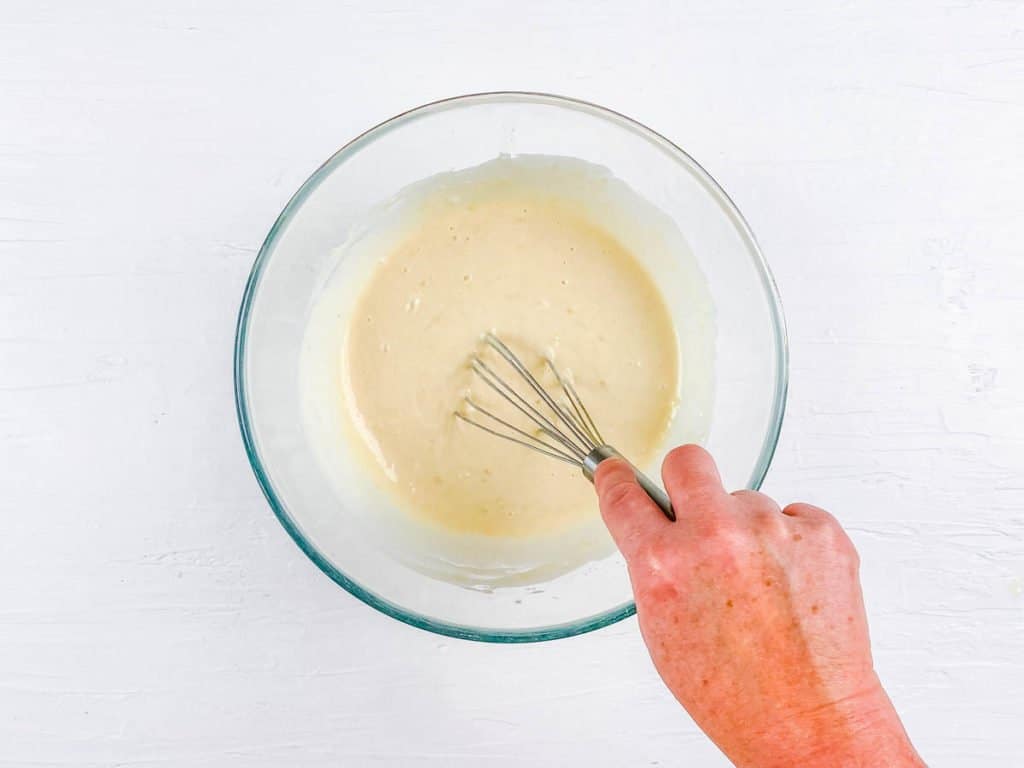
[(501, 254)]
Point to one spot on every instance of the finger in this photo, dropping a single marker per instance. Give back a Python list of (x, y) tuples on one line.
[(692, 480), (757, 500), (627, 510), (808, 512)]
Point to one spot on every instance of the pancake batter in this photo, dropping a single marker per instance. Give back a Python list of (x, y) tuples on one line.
[(554, 255), (548, 279)]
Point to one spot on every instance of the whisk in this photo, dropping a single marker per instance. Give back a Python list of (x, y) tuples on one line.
[(566, 430)]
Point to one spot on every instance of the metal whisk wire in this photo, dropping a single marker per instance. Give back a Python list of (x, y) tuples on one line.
[(571, 444), (565, 430)]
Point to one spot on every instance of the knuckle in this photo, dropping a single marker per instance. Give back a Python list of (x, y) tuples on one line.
[(767, 521), (832, 531), (658, 568), (760, 512), (828, 531), (664, 550), (623, 494), (753, 498), (654, 588)]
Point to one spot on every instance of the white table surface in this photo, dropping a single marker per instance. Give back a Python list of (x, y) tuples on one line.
[(152, 610)]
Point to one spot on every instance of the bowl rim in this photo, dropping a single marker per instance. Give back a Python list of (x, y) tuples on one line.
[(366, 595)]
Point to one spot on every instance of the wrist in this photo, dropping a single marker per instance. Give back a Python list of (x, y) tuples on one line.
[(875, 742), (862, 731)]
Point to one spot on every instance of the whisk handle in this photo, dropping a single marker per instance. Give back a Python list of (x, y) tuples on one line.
[(658, 496)]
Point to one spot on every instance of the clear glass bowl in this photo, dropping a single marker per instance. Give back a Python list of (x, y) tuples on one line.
[(750, 346)]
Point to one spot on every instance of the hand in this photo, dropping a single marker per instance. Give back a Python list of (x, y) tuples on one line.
[(754, 619)]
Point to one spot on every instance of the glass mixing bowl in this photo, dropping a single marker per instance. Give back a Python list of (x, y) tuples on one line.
[(750, 367)]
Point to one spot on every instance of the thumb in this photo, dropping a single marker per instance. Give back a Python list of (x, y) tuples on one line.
[(627, 510)]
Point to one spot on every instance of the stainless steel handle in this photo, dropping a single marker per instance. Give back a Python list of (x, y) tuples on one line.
[(658, 496)]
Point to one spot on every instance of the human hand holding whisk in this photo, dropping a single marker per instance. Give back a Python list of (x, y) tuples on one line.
[(754, 618), (752, 614)]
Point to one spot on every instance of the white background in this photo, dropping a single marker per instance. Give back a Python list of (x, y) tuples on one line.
[(154, 613)]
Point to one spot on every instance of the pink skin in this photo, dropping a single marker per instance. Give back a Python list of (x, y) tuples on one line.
[(754, 619)]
